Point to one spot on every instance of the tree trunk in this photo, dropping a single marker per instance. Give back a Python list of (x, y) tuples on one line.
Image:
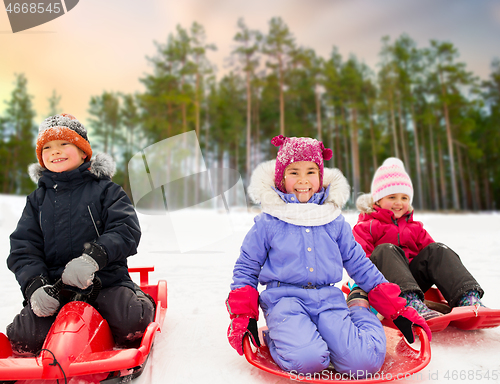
[(347, 172), (6, 171), (374, 144), (478, 189), (474, 202), (462, 177), (282, 96), (355, 153), (169, 119), (442, 176), (183, 105), (337, 142), (257, 132), (318, 115), (487, 194), (402, 126), (249, 128), (435, 193), (393, 125), (197, 104), (454, 189), (417, 160), (426, 181), (330, 141)]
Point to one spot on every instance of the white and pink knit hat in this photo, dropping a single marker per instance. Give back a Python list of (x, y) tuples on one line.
[(391, 178), (293, 149)]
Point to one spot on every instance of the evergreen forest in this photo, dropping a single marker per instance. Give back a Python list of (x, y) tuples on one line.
[(420, 104)]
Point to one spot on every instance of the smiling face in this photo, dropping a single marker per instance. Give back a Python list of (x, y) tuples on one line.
[(302, 179), (398, 203), (61, 156)]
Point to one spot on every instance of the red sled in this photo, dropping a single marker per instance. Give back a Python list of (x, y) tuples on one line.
[(80, 345), (401, 362), (466, 318)]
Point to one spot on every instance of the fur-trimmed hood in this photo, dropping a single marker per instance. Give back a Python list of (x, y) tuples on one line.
[(261, 192), (364, 204), (101, 166)]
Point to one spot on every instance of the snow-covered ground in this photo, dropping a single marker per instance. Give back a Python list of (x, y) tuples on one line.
[(193, 347)]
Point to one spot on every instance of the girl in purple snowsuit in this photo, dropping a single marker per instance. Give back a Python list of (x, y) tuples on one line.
[(298, 248)]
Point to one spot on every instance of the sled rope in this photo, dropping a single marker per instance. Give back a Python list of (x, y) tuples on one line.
[(55, 362)]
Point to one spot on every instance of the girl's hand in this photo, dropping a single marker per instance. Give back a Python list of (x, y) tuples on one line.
[(243, 307), (385, 299)]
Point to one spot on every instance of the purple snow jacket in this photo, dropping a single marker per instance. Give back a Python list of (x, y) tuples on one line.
[(292, 246), (303, 244)]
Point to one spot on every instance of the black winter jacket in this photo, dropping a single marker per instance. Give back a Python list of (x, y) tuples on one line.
[(67, 210)]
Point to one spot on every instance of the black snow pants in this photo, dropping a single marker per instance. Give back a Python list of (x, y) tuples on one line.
[(128, 313), (435, 264)]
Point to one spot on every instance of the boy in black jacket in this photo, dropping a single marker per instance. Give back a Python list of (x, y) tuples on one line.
[(76, 225)]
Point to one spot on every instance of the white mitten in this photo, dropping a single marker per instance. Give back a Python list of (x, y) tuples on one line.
[(79, 272), (43, 304)]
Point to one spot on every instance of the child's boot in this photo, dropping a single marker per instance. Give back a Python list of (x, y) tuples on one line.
[(471, 297), (412, 300), (357, 298)]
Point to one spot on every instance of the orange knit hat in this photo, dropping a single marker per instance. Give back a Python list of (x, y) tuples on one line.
[(62, 127)]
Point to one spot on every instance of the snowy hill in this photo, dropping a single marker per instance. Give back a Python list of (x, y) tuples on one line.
[(193, 347)]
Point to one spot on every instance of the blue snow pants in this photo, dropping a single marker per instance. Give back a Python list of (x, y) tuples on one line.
[(309, 328)]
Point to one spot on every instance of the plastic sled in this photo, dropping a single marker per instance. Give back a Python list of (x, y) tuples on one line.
[(401, 361), (80, 345), (466, 318)]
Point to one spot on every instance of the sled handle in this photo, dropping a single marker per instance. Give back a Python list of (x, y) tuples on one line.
[(55, 291), (425, 346), (143, 274)]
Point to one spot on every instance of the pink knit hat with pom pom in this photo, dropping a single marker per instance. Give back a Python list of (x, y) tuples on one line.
[(293, 149), (391, 178)]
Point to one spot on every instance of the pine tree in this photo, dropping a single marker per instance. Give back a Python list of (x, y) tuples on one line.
[(450, 78), (54, 101), (19, 134), (250, 44), (279, 45)]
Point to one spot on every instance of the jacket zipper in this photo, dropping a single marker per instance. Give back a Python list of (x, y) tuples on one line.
[(396, 224), (93, 221)]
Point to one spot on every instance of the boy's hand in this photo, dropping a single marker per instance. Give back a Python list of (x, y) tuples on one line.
[(42, 303), (79, 272)]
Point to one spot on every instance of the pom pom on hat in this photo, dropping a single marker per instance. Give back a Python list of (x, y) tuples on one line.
[(62, 127), (293, 149), (391, 178), (327, 153), (278, 140)]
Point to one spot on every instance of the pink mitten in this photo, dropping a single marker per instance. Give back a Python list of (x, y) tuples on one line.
[(243, 307), (386, 301)]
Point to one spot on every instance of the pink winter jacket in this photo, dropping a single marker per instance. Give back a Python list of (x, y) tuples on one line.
[(380, 226)]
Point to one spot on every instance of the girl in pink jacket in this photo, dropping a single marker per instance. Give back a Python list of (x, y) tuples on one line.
[(403, 250)]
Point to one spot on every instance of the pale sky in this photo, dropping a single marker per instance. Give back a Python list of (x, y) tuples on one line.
[(102, 45)]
